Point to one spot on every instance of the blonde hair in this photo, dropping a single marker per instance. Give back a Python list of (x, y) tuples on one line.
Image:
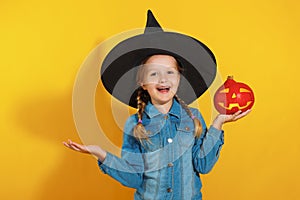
[(139, 130), (197, 123)]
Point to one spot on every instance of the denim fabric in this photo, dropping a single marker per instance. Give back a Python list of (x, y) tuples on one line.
[(167, 166)]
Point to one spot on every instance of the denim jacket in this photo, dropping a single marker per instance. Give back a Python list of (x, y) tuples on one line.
[(166, 166)]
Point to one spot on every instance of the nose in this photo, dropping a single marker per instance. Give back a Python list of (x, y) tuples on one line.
[(162, 78)]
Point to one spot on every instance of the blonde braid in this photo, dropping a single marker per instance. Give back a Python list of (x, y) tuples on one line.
[(197, 123), (139, 130)]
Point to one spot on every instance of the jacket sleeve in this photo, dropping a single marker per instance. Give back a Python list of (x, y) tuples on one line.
[(206, 149), (128, 169)]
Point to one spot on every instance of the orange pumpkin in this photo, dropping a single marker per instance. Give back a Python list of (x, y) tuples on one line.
[(233, 96)]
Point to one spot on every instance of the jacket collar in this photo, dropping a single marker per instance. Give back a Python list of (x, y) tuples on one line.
[(152, 111)]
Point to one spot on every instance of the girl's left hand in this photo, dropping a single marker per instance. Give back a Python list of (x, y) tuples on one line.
[(222, 118)]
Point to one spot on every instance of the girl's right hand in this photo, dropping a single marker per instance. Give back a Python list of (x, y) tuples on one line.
[(89, 149), (223, 118)]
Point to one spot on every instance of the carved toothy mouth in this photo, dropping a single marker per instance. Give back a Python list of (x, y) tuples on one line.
[(232, 105)]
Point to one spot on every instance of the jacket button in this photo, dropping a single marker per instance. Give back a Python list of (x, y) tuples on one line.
[(170, 165), (170, 140), (187, 128), (169, 190), (166, 116)]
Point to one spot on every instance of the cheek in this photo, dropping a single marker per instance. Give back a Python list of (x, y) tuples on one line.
[(150, 88), (176, 81)]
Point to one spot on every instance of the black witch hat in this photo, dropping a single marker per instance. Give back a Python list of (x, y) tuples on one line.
[(119, 67)]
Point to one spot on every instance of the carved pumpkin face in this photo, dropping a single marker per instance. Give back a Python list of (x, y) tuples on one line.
[(233, 96)]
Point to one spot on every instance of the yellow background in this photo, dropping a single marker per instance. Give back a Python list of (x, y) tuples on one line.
[(43, 44)]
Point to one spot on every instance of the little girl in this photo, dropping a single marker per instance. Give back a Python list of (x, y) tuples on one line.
[(166, 144)]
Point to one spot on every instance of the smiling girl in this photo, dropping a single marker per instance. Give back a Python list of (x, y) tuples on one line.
[(166, 144)]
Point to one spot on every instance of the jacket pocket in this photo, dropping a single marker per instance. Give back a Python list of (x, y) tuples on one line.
[(154, 141), (185, 133)]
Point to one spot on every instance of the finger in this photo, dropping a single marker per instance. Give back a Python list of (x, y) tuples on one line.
[(245, 113), (233, 116), (79, 147), (242, 114), (66, 144), (75, 148), (71, 145), (236, 113), (248, 111), (74, 144)]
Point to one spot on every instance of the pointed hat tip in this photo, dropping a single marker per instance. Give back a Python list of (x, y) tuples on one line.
[(149, 12), (152, 23)]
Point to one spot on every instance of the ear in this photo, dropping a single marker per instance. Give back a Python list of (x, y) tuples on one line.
[(143, 86)]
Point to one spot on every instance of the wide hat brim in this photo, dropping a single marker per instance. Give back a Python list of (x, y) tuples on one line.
[(119, 68)]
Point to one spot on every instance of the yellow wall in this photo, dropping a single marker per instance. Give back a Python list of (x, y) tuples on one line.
[(43, 44)]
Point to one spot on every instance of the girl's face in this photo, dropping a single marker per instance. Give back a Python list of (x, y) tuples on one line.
[(160, 77)]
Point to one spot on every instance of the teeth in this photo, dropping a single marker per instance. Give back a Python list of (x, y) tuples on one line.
[(163, 88)]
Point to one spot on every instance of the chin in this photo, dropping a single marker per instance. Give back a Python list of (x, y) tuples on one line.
[(164, 100)]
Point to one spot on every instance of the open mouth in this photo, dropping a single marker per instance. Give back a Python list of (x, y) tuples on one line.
[(163, 89)]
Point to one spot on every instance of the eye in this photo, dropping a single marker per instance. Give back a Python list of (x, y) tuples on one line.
[(226, 90), (244, 90), (153, 74), (170, 72)]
